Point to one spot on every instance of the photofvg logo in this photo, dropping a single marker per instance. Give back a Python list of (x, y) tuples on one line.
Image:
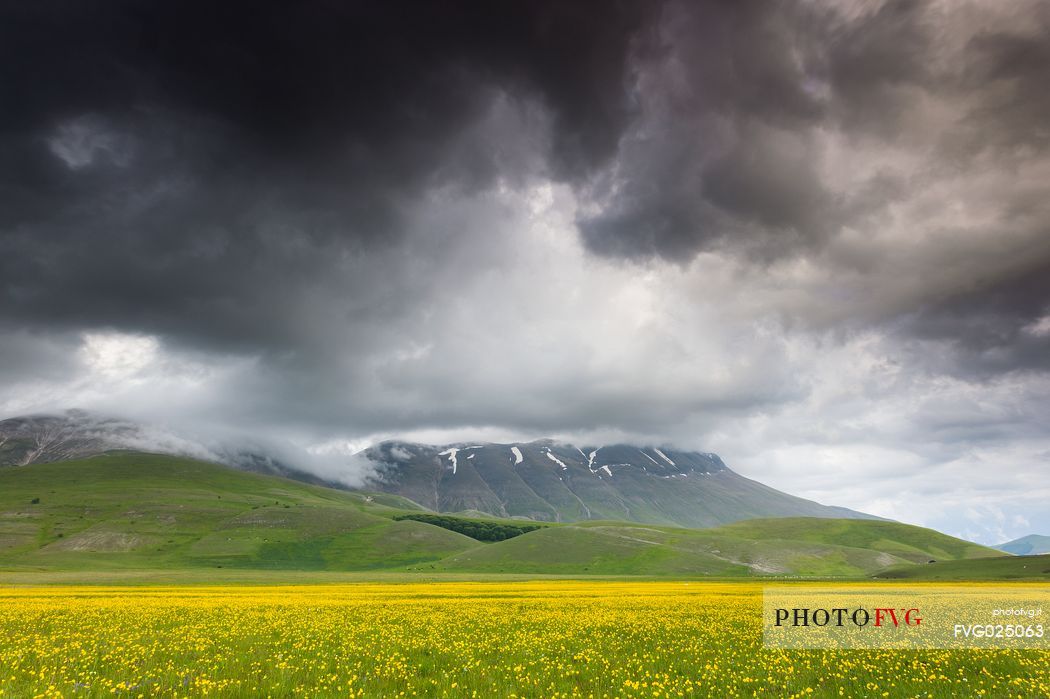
[(924, 616), (840, 616)]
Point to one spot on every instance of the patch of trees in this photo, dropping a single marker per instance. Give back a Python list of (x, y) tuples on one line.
[(474, 528)]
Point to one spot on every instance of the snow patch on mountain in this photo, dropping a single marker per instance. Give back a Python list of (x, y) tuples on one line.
[(451, 454), (556, 460), (664, 456)]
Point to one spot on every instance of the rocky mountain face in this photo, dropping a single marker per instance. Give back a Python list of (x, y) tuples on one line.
[(564, 483), (72, 435)]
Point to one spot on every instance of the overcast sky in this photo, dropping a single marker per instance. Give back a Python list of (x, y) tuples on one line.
[(813, 237)]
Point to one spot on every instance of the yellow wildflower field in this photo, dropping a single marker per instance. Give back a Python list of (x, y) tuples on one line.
[(486, 639)]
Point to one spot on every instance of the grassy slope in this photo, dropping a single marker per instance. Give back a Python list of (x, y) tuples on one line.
[(616, 550), (1002, 568), (911, 543), (792, 546), (128, 510)]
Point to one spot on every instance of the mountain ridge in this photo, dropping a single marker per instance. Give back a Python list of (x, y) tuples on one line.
[(543, 480), (1031, 545), (547, 480), (74, 434), (128, 511)]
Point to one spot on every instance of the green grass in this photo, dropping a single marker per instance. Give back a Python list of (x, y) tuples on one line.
[(909, 542), (1004, 568), (129, 512), (615, 550), (802, 546), (143, 511)]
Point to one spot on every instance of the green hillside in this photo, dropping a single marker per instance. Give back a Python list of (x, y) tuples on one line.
[(130, 510), (1001, 568), (134, 512), (792, 546), (914, 544), (622, 549)]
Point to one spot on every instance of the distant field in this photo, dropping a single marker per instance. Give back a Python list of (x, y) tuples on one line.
[(207, 577), (1004, 568), (529, 639)]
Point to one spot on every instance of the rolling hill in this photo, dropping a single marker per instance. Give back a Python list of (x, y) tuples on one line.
[(133, 511), (804, 546)]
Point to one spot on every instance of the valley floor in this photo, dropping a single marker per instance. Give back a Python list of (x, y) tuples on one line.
[(506, 638)]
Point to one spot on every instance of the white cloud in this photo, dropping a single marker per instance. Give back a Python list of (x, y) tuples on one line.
[(80, 142), (114, 355)]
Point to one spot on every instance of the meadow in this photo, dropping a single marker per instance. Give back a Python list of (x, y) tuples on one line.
[(551, 638)]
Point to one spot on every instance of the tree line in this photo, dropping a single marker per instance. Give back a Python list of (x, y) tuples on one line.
[(475, 529)]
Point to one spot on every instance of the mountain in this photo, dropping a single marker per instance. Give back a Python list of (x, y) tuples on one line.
[(131, 512), (44, 438), (1031, 545), (553, 482), (542, 480), (74, 434)]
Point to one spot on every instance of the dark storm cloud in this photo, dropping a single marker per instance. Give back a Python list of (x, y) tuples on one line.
[(311, 185), (301, 80), (730, 155), (739, 93), (991, 329), (191, 168), (184, 168), (1013, 69)]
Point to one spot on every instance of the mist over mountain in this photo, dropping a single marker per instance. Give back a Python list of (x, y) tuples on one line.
[(548, 481), (541, 480), (76, 434)]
